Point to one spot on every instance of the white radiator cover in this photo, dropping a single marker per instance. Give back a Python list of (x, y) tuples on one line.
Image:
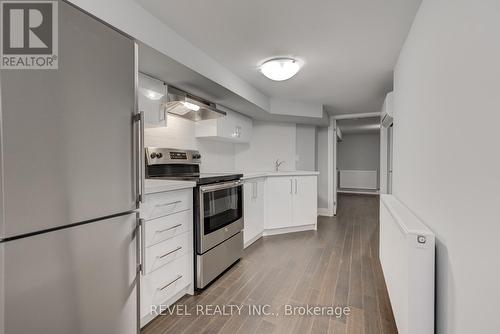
[(408, 266), (358, 179)]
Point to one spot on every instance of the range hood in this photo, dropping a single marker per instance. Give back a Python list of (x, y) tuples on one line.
[(188, 106)]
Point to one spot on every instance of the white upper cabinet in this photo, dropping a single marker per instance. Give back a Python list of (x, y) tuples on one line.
[(233, 127), (152, 98)]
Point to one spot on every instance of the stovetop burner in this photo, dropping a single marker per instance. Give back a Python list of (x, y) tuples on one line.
[(184, 165)]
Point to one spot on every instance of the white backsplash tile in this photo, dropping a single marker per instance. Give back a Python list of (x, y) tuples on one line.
[(180, 133)]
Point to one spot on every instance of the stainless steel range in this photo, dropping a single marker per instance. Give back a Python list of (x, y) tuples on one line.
[(218, 209)]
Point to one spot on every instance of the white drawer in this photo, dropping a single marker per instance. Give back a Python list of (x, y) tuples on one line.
[(162, 284), (166, 203), (163, 228), (167, 251)]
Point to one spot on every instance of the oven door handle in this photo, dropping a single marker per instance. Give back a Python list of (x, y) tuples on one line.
[(225, 185)]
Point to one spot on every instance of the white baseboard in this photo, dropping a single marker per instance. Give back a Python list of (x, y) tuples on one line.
[(325, 212), (251, 241), (358, 192), (275, 231)]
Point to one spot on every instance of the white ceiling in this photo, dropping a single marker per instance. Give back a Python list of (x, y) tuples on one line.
[(349, 47)]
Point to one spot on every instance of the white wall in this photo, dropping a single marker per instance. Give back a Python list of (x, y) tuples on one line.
[(446, 153), (270, 141), (322, 165), (180, 133), (306, 147), (294, 108), (359, 151)]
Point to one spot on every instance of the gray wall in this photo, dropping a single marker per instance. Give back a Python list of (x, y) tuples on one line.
[(306, 147), (446, 153), (360, 151)]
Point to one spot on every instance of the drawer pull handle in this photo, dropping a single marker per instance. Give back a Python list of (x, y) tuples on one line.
[(167, 204), (168, 229), (169, 284), (172, 251)]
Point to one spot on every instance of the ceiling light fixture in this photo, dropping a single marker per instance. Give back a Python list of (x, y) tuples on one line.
[(280, 69)]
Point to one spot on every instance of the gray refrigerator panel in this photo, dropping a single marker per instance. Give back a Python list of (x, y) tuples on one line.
[(80, 280), (67, 134)]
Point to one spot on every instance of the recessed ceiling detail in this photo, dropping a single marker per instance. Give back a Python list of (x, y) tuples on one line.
[(351, 47)]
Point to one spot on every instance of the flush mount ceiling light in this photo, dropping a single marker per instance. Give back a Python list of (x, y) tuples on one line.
[(280, 69)]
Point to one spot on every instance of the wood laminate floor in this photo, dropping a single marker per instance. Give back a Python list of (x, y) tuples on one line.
[(336, 265)]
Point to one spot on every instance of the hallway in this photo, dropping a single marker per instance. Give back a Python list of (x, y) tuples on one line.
[(337, 265)]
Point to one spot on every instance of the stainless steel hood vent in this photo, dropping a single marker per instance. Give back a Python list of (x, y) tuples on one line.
[(185, 105)]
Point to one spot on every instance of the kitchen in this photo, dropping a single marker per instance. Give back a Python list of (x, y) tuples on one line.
[(237, 172), (237, 181)]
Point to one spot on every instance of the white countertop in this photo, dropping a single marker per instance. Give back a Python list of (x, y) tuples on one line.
[(253, 175), (157, 186)]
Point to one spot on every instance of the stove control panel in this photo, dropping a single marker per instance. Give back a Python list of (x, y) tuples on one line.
[(178, 156), (160, 156)]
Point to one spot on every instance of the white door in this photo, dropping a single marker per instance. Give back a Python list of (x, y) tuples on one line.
[(334, 169), (279, 213), (389, 158), (304, 204)]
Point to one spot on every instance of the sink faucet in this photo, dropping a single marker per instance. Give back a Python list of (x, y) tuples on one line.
[(277, 164)]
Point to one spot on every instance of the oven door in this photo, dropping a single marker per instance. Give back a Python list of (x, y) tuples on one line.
[(221, 214)]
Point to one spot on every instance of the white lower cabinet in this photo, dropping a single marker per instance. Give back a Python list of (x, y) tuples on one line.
[(305, 200), (279, 208), (163, 284), (292, 203), (253, 210), (167, 251)]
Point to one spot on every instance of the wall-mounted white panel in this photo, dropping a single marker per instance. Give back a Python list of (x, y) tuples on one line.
[(407, 254)]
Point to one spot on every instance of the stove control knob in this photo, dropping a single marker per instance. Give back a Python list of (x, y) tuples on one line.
[(153, 155), (196, 156), (159, 155)]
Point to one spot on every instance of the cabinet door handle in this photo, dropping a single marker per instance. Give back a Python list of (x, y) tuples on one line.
[(171, 252), (291, 191), (295, 186), (140, 158), (142, 249), (255, 190), (172, 282), (168, 229)]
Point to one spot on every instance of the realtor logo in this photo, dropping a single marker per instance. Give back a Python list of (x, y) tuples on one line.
[(29, 36)]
